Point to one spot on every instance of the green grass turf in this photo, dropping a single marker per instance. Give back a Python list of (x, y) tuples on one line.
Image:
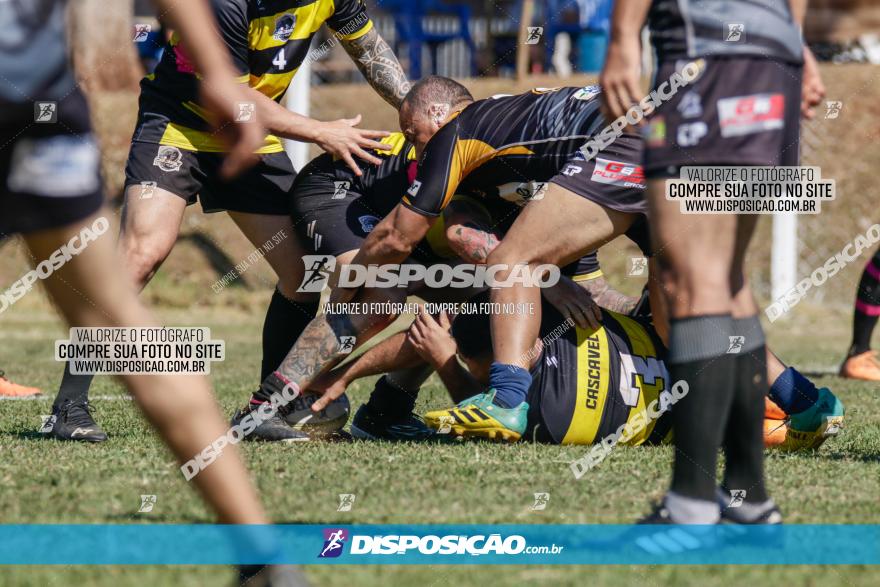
[(51, 482)]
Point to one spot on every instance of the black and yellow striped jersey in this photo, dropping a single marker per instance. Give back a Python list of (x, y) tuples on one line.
[(267, 40), (588, 383), (503, 140)]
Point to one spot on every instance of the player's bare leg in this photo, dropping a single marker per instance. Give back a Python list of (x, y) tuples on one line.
[(151, 220), (556, 230), (91, 291), (150, 226), (696, 254)]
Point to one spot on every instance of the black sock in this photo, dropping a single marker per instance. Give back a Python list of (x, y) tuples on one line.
[(863, 328), (744, 435), (285, 321), (390, 402), (867, 307), (74, 388), (698, 355)]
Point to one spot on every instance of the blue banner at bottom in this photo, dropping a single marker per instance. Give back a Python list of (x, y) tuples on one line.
[(439, 544)]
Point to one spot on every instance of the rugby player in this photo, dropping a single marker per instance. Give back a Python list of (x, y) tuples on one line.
[(338, 210), (572, 399), (175, 159), (741, 109), (861, 362), (51, 191), (534, 136)]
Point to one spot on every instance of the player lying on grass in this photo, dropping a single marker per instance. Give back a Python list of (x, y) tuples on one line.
[(175, 158), (51, 193), (586, 383), (339, 210)]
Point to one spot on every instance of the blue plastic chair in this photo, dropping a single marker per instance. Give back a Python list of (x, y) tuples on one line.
[(408, 22)]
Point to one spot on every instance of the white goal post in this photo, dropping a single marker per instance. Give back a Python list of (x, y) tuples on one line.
[(783, 254), (297, 100)]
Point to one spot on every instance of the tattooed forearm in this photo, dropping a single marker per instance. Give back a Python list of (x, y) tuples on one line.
[(472, 243), (318, 348), (379, 65), (607, 297)]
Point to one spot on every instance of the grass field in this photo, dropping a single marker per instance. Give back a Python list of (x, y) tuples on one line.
[(44, 481)]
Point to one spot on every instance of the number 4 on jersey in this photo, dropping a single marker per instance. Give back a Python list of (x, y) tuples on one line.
[(280, 60)]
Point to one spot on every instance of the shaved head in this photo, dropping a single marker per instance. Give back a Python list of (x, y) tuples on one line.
[(435, 89), (427, 106)]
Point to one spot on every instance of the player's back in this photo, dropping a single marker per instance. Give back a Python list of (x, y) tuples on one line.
[(504, 139), (588, 383), (542, 127)]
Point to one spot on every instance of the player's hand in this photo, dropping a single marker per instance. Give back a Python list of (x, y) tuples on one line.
[(812, 88), (329, 387), (431, 339), (221, 97), (620, 77), (574, 303), (341, 139)]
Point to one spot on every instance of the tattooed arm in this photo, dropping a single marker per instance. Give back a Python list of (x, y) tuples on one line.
[(379, 65), (607, 297)]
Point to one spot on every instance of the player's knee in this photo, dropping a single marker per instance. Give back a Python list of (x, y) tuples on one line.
[(143, 255), (509, 254), (687, 284)]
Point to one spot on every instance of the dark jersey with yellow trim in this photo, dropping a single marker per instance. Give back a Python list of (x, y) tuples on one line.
[(589, 383), (501, 140), (267, 40), (381, 185)]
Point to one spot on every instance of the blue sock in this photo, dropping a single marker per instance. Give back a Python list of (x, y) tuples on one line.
[(793, 392), (511, 384)]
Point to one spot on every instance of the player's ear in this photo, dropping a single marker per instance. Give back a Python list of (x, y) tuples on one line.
[(437, 113)]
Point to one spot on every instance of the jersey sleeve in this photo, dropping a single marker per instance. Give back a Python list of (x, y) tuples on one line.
[(350, 19), (232, 20), (584, 269), (441, 168)]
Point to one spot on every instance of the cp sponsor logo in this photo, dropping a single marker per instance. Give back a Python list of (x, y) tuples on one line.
[(618, 173), (334, 542), (743, 115)]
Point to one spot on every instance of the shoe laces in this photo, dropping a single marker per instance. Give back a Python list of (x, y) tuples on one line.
[(77, 413)]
